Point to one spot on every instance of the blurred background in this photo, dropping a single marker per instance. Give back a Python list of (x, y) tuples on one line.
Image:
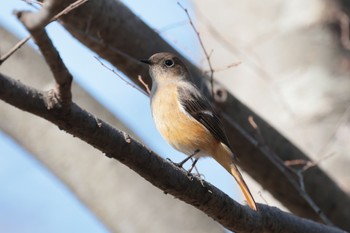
[(293, 70)]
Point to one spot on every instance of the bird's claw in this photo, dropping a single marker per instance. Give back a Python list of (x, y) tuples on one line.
[(179, 165)]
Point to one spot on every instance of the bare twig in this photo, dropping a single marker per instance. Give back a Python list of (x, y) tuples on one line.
[(306, 163), (144, 84), (121, 77), (225, 68), (32, 2), (207, 55), (298, 185), (262, 197), (23, 41), (296, 162), (14, 49), (253, 63), (62, 92), (299, 174)]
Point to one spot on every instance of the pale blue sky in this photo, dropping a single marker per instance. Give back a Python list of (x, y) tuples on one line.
[(35, 181)]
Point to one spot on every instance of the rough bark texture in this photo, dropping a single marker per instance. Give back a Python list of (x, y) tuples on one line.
[(119, 145), (109, 34)]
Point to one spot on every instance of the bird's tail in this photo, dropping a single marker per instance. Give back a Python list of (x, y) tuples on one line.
[(225, 157)]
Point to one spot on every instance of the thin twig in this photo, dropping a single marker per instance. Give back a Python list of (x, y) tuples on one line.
[(262, 197), (139, 77), (249, 60), (121, 77), (307, 165), (207, 55), (225, 68), (315, 163), (61, 94), (296, 162), (14, 49), (282, 167), (23, 41), (32, 2)]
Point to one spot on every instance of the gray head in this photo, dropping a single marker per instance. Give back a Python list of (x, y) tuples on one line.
[(166, 67)]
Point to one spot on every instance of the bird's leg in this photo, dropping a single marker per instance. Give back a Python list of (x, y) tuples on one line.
[(185, 160), (198, 175), (192, 166)]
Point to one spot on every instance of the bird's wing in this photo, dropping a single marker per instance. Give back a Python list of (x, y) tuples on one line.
[(200, 109)]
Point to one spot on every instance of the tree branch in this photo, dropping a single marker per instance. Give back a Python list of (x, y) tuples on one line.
[(14, 49), (207, 55), (39, 20), (118, 145), (96, 25)]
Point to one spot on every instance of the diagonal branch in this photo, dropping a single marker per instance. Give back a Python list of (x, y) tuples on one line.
[(35, 24), (207, 55), (61, 94), (118, 145), (96, 24), (40, 20), (300, 188), (14, 49)]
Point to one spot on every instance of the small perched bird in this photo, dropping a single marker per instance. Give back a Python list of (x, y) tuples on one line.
[(185, 118)]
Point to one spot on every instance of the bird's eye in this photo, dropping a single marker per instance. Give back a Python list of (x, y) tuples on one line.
[(169, 63)]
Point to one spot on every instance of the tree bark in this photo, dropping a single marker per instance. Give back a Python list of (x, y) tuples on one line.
[(81, 167), (119, 145), (107, 26)]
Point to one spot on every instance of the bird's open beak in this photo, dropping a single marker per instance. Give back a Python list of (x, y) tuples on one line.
[(147, 61)]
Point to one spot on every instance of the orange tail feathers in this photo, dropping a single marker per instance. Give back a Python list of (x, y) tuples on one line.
[(225, 157), (238, 177)]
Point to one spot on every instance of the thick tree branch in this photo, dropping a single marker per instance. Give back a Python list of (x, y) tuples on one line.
[(136, 40), (62, 93), (117, 144)]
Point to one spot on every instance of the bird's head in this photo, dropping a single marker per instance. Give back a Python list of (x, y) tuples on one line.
[(166, 67)]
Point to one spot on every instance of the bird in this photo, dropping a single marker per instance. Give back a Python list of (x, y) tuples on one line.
[(186, 119)]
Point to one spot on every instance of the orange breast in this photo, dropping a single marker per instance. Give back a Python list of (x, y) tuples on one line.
[(182, 131)]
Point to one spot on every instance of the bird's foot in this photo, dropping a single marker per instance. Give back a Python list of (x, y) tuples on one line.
[(201, 180), (179, 165)]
